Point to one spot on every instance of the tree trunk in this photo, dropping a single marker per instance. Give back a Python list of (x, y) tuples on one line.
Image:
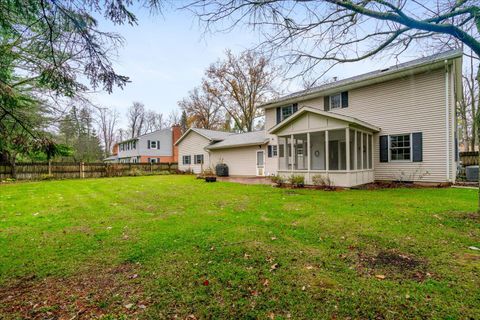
[(14, 168), (476, 120)]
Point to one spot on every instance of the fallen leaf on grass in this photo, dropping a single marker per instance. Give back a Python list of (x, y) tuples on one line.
[(274, 267), (266, 283), (309, 267), (206, 283), (380, 276)]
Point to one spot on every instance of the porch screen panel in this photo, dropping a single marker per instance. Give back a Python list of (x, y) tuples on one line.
[(370, 151), (364, 151), (359, 150), (317, 150), (301, 151), (352, 149), (337, 150)]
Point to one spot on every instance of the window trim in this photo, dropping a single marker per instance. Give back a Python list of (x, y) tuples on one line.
[(330, 100), (189, 157), (281, 112), (151, 144), (196, 156), (390, 147)]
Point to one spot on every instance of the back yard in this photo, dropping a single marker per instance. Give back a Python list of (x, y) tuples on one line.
[(176, 247)]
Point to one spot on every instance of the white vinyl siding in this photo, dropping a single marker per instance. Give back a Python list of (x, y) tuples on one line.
[(240, 161), (193, 144)]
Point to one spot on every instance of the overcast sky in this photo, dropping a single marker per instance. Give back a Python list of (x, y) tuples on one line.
[(165, 57)]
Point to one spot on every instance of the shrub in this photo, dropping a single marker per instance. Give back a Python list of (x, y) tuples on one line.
[(297, 181), (135, 172), (278, 180), (323, 182), (46, 177)]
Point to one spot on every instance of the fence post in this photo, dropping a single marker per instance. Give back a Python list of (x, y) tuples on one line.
[(82, 172), (49, 167)]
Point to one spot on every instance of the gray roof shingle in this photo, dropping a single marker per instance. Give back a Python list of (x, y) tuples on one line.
[(241, 139), (451, 54), (212, 134)]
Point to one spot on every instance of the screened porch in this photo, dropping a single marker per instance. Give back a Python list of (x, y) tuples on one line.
[(338, 148)]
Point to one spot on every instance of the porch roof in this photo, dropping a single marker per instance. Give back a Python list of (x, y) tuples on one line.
[(327, 114)]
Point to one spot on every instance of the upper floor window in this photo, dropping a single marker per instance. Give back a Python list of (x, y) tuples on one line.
[(285, 112), (153, 144), (336, 101), (400, 147)]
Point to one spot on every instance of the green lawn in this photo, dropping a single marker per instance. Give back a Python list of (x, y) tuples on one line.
[(165, 246)]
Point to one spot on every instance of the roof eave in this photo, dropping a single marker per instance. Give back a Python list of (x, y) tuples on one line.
[(213, 147)]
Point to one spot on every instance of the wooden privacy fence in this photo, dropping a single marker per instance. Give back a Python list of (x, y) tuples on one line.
[(75, 170), (469, 158)]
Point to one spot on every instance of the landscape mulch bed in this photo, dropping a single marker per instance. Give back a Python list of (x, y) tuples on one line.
[(92, 294)]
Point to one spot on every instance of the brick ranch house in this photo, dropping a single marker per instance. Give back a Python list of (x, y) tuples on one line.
[(154, 147), (396, 123)]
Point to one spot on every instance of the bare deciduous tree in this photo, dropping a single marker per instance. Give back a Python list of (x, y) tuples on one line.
[(153, 121), (136, 119), (107, 122), (320, 34), (239, 84), (202, 109)]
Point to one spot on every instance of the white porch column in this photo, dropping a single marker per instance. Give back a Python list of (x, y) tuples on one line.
[(307, 152), (293, 151), (285, 150), (347, 144), (326, 151)]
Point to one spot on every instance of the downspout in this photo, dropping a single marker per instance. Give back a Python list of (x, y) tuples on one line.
[(447, 120)]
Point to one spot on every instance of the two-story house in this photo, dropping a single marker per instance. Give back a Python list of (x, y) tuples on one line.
[(396, 123), (155, 147)]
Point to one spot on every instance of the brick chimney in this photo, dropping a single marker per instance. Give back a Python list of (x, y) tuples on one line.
[(176, 134)]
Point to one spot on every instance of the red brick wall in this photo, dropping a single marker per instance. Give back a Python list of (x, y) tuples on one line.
[(176, 134)]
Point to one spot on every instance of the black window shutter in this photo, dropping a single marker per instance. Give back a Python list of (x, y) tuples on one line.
[(345, 99), (269, 148), (148, 144), (158, 144), (326, 103), (417, 147), (383, 148), (295, 107), (279, 115)]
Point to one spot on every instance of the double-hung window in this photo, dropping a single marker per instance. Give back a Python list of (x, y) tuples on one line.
[(336, 101), (198, 159), (186, 159), (400, 147), (287, 111), (153, 144)]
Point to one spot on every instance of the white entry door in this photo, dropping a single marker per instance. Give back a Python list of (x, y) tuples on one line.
[(260, 163)]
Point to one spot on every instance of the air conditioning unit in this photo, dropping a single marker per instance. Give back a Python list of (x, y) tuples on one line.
[(471, 173)]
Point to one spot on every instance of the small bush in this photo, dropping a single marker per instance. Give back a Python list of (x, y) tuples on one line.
[(296, 181), (135, 172), (278, 180), (47, 177), (323, 182)]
